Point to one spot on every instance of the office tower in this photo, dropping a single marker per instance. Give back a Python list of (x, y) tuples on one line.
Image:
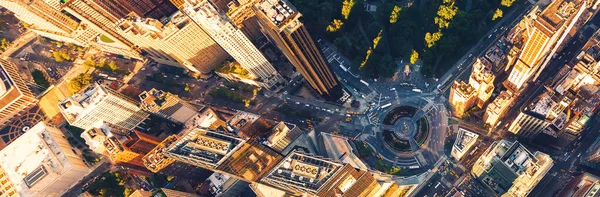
[(592, 155), (462, 97), (15, 95), (479, 89), (157, 162), (224, 153), (225, 185), (121, 147), (156, 9), (509, 169), (176, 42), (167, 106), (40, 163), (482, 80), (464, 141), (280, 136), (281, 22), (305, 174), (241, 14), (97, 105), (497, 109), (339, 149), (545, 32), (98, 26), (585, 184), (43, 19), (231, 38)]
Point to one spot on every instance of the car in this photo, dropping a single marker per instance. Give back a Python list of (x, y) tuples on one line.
[(392, 89), (471, 55), (490, 36), (307, 105), (297, 103)]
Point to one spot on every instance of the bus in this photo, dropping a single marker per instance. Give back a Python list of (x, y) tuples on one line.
[(386, 105), (417, 90), (364, 82)]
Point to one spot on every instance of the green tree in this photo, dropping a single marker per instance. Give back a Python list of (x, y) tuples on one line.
[(347, 6), (89, 63), (507, 3), (497, 14), (335, 25), (4, 44), (57, 56), (414, 56), (113, 66), (387, 66), (40, 79), (128, 192), (448, 44), (80, 82), (432, 38)]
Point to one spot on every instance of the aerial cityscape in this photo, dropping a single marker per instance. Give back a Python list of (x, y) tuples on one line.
[(323, 98)]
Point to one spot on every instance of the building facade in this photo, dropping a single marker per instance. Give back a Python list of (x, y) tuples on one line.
[(96, 105), (462, 97), (15, 95), (509, 169), (176, 42), (280, 20), (40, 163), (463, 143), (231, 39), (497, 109)]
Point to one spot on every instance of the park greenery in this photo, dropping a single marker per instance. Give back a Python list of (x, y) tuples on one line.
[(109, 184), (4, 44), (61, 56), (103, 66), (438, 32), (40, 79), (81, 81)]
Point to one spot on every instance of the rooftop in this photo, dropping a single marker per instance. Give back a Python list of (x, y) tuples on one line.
[(304, 171), (464, 138), (205, 147), (31, 157), (156, 159), (279, 11)]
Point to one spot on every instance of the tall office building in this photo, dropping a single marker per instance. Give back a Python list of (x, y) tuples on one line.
[(15, 95), (121, 147), (43, 19), (157, 162), (231, 38), (462, 97), (479, 89), (585, 184), (224, 153), (40, 163), (96, 105), (176, 42), (545, 32), (167, 105), (281, 22), (498, 108), (156, 9), (98, 27), (509, 169), (464, 141)]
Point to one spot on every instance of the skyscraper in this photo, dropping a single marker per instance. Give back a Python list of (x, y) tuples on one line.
[(98, 27), (15, 96), (462, 97), (156, 9), (281, 22), (40, 163), (497, 109), (96, 105), (167, 105), (121, 147), (231, 38), (464, 141), (176, 42), (545, 33), (509, 169), (157, 161), (44, 19)]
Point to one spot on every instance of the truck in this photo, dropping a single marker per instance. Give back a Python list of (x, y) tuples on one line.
[(386, 105), (343, 68)]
